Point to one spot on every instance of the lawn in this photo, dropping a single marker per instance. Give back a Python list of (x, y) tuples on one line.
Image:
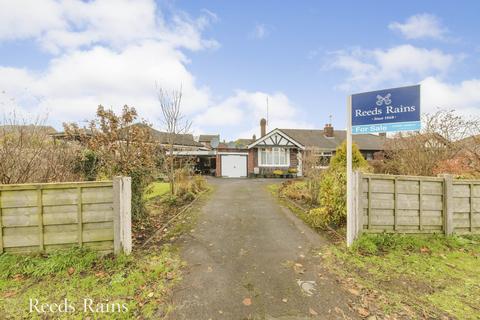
[(136, 284), (156, 189), (429, 275)]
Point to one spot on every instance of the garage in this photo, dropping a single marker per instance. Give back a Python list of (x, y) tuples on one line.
[(234, 165)]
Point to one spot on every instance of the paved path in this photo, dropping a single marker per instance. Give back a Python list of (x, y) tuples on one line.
[(244, 249)]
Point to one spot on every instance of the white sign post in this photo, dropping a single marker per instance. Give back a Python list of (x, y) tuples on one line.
[(350, 216), (388, 110)]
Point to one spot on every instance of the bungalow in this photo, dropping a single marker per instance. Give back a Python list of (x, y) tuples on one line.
[(285, 149)]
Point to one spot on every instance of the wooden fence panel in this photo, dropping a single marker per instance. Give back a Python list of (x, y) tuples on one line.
[(44, 217), (407, 204)]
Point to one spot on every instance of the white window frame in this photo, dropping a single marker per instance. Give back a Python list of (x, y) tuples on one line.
[(263, 151)]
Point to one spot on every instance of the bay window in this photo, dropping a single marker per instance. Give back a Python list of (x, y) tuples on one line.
[(273, 157)]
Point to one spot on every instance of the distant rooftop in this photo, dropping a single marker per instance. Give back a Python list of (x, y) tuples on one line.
[(315, 138)]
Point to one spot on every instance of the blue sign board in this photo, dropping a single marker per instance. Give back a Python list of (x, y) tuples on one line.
[(388, 110)]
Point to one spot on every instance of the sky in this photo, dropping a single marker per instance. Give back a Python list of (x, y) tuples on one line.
[(61, 59)]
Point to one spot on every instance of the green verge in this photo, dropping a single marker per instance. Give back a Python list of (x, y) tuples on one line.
[(141, 281), (156, 189), (433, 274)]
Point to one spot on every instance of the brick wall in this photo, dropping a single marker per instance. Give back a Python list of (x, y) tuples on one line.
[(218, 171), (293, 158), (252, 160)]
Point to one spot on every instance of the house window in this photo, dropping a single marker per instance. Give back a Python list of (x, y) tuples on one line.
[(274, 157), (368, 155)]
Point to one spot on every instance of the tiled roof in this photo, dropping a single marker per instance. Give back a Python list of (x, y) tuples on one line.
[(208, 137), (315, 138)]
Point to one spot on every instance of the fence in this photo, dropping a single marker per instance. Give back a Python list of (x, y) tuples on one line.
[(44, 217), (406, 204)]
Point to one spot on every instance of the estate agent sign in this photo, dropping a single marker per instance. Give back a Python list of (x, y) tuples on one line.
[(387, 110)]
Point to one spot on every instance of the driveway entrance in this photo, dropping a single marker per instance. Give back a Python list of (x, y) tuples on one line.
[(250, 258)]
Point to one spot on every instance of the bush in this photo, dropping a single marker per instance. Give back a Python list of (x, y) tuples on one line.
[(187, 184), (199, 183), (277, 172), (141, 178), (121, 147), (29, 154), (188, 196), (87, 164), (170, 200), (295, 190), (333, 187)]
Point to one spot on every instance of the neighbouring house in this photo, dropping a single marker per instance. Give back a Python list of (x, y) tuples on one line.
[(209, 140)]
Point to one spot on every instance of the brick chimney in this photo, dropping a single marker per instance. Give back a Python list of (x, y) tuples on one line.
[(263, 127), (328, 130)]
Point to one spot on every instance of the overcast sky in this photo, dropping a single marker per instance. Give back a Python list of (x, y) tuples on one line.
[(66, 57)]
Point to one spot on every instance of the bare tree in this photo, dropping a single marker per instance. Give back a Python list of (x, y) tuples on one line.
[(440, 145), (175, 124), (313, 167), (28, 152)]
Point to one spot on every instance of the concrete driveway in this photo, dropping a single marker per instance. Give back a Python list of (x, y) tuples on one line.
[(250, 258)]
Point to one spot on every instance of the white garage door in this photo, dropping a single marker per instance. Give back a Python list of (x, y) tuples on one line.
[(234, 166)]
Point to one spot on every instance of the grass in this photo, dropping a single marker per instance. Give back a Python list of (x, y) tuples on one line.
[(141, 282), (436, 274), (156, 189)]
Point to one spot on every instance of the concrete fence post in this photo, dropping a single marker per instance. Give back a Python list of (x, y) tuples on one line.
[(354, 221), (448, 203), (122, 219), (357, 205)]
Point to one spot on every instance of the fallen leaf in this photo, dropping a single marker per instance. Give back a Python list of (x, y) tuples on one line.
[(247, 301), (354, 291), (298, 268), (9, 294), (363, 312), (313, 312), (285, 300), (70, 271), (209, 269), (424, 250), (18, 277)]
